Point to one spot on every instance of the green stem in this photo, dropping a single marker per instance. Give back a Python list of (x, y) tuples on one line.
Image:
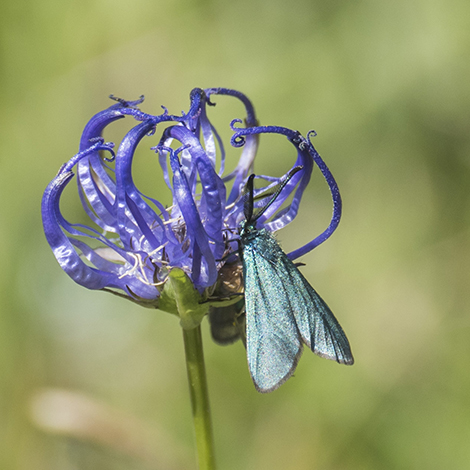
[(199, 397)]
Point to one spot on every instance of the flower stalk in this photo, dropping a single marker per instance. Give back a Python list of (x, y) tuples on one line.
[(199, 397)]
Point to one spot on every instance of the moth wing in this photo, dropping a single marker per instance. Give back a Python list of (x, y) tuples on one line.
[(317, 325), (228, 323), (273, 342)]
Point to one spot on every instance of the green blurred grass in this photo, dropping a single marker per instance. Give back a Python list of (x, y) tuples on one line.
[(385, 85)]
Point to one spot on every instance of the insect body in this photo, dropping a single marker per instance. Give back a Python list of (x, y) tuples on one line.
[(283, 311)]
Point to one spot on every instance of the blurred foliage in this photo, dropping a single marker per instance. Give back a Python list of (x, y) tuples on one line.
[(385, 85)]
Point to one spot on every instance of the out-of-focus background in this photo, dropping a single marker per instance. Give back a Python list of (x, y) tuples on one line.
[(90, 381)]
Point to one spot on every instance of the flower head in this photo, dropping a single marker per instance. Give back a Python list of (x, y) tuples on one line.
[(133, 242)]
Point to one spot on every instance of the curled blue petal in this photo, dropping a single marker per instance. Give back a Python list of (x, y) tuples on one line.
[(250, 111), (306, 156), (134, 217), (182, 192), (337, 205), (61, 246), (64, 248), (211, 206)]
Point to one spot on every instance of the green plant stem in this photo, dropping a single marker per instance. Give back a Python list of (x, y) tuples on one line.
[(199, 397)]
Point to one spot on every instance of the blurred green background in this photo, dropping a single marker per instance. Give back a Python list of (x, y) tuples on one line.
[(89, 381)]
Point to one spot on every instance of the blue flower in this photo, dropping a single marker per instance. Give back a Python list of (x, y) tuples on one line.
[(132, 241)]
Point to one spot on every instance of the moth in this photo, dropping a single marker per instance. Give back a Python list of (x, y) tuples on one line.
[(283, 311)]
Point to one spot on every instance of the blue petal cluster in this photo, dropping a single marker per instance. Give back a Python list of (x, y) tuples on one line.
[(133, 241)]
